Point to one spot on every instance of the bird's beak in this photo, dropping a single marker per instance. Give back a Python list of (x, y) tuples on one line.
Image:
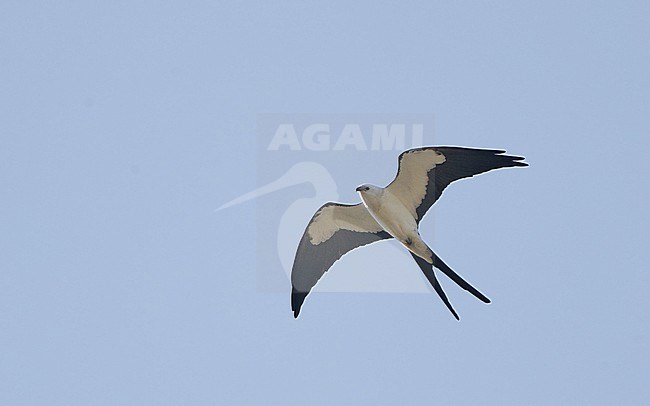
[(359, 189)]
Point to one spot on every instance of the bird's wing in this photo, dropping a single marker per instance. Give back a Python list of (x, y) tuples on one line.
[(334, 230), (425, 172)]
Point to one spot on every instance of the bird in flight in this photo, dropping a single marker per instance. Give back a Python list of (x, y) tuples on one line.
[(394, 211)]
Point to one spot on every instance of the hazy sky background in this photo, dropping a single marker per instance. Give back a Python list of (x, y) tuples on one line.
[(125, 124)]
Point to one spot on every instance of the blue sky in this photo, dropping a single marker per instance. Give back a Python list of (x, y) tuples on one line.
[(125, 125)]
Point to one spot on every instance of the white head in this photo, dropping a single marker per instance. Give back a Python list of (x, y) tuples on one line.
[(370, 190)]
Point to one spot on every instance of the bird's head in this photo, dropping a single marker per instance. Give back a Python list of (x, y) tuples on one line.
[(367, 189)]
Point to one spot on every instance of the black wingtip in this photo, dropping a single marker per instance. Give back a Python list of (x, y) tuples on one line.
[(297, 299), (516, 160)]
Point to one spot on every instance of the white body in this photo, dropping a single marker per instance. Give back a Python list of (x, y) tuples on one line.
[(396, 219)]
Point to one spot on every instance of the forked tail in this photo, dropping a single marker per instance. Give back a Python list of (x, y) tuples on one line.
[(427, 269)]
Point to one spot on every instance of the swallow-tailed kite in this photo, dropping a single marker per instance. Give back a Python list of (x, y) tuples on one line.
[(391, 212)]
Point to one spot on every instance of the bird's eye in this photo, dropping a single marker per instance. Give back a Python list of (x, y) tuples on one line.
[(367, 188)]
